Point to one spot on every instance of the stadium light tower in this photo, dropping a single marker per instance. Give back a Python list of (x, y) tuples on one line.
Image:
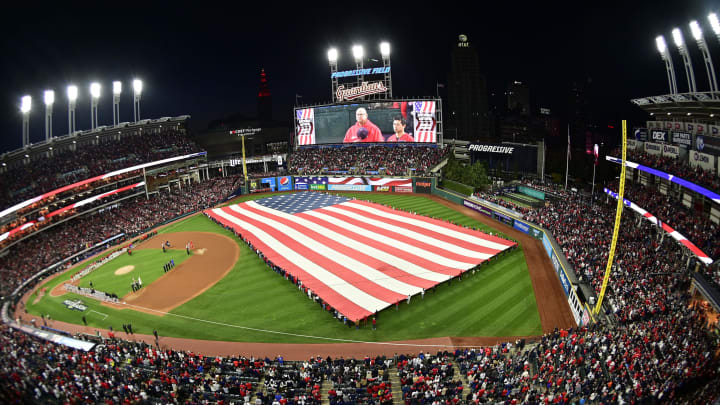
[(715, 24), (689, 73), (117, 89), (25, 107), (358, 54), (137, 92), (332, 55), (709, 68), (72, 93), (49, 100), (94, 96), (662, 48), (387, 77)]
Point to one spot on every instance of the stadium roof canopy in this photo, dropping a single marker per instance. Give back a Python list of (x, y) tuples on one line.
[(697, 105)]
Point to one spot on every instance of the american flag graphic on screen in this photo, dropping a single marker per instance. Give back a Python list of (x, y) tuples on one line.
[(357, 256), (305, 126), (425, 122)]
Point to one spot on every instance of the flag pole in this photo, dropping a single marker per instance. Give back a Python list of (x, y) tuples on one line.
[(567, 159)]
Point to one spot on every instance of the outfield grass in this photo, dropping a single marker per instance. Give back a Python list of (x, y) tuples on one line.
[(252, 302)]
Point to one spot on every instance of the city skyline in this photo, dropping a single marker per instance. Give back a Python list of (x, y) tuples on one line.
[(207, 63)]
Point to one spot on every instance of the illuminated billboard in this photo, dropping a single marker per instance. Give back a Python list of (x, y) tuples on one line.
[(381, 122)]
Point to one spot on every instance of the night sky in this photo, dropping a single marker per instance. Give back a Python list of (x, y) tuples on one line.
[(206, 61)]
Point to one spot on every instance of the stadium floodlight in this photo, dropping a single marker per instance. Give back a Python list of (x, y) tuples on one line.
[(137, 86), (662, 48), (25, 104), (25, 107), (678, 38), (332, 55), (661, 45), (689, 72), (709, 68), (385, 49), (49, 100), (72, 93), (95, 90), (715, 24), (137, 92), (95, 93), (117, 89), (695, 30), (357, 51)]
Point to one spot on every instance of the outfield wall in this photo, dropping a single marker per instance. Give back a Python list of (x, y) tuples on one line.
[(582, 313)]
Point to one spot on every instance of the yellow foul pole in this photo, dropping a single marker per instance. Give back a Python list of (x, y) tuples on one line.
[(618, 217)]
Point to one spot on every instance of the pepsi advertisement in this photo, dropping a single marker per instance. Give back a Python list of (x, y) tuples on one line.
[(284, 183)]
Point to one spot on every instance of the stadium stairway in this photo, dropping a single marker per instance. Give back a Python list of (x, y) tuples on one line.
[(396, 388), (463, 379), (324, 388)]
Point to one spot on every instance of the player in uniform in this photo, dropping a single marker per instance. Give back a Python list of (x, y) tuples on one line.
[(400, 135), (363, 130)]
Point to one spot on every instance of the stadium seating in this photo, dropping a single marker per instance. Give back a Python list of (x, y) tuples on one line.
[(365, 160), (656, 346)]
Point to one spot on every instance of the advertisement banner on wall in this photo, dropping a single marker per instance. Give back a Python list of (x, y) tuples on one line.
[(382, 188), (703, 160), (683, 139), (503, 218), (632, 144), (310, 182), (547, 245), (653, 148), (477, 207), (671, 151), (284, 183), (521, 226), (657, 135), (528, 229), (269, 182), (423, 185), (707, 144), (402, 189), (561, 274), (349, 187), (641, 134), (714, 130)]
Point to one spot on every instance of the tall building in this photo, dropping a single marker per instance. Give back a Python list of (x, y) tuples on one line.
[(467, 94), (264, 106), (518, 98)]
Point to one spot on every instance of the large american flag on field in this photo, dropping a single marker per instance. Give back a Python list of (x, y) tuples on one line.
[(425, 122), (305, 126), (358, 257)]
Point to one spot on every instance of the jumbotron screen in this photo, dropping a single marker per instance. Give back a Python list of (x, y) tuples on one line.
[(387, 121)]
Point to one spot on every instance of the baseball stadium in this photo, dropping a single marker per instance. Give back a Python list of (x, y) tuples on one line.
[(351, 264)]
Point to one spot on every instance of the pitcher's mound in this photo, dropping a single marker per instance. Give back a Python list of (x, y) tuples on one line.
[(200, 251), (124, 270)]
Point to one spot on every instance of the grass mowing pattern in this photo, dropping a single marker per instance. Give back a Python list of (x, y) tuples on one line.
[(496, 301)]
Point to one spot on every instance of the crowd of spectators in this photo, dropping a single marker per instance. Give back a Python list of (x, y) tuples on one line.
[(357, 381), (67, 167), (354, 159), (690, 222), (676, 167), (654, 344), (130, 217)]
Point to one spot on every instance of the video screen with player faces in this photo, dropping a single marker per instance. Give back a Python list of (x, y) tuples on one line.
[(379, 122)]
